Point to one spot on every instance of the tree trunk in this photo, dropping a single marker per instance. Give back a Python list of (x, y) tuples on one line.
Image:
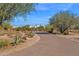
[(64, 29), (0, 23)]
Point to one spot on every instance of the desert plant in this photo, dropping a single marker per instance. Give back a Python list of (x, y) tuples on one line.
[(16, 40), (30, 34), (4, 43), (8, 11), (40, 28), (49, 28), (6, 25), (63, 21)]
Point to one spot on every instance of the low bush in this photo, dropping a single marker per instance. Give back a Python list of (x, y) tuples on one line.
[(30, 34), (49, 31), (16, 40), (4, 43)]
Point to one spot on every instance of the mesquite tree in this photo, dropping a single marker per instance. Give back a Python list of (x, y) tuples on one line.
[(63, 21)]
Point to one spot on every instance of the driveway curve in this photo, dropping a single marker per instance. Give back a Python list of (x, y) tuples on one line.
[(50, 45)]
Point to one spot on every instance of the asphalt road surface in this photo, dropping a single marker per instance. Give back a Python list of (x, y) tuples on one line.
[(50, 45)]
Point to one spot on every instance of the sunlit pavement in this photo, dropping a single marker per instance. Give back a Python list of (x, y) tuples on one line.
[(50, 45)]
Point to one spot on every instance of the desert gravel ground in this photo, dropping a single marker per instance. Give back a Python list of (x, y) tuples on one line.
[(50, 45)]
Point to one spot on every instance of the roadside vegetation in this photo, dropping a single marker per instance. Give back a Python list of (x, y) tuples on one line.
[(10, 36), (64, 22)]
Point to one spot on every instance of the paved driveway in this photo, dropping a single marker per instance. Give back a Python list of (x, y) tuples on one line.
[(50, 45)]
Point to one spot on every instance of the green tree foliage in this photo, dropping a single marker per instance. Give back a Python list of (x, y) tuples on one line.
[(63, 21), (26, 27), (49, 28), (6, 25), (76, 26), (40, 28), (10, 10)]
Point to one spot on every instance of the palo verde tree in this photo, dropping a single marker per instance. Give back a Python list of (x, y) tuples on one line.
[(63, 21), (10, 10)]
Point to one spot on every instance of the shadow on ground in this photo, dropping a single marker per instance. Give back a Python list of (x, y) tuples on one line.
[(42, 33), (45, 33)]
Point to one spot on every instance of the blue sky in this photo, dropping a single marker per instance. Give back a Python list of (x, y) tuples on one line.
[(43, 12)]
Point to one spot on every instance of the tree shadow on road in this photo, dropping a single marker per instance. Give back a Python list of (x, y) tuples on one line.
[(42, 33), (45, 33)]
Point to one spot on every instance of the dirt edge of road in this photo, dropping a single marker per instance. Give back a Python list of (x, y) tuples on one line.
[(29, 42), (74, 38)]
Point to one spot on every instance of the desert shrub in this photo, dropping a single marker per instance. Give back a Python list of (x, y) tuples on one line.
[(1, 27), (49, 28), (30, 34), (49, 31), (6, 25), (4, 43), (40, 28), (16, 40), (76, 27), (24, 36)]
